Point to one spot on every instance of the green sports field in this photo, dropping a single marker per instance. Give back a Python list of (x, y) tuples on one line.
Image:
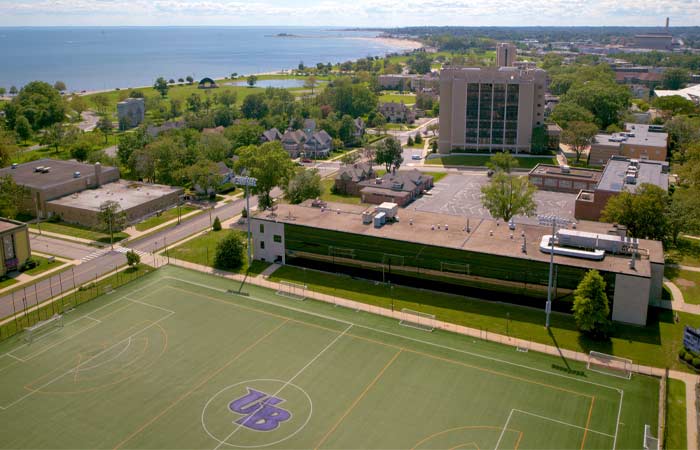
[(174, 360)]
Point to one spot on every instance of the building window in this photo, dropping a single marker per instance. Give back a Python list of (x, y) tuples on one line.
[(262, 228), (580, 185), (277, 238), (262, 245), (552, 182), (536, 180), (565, 184)]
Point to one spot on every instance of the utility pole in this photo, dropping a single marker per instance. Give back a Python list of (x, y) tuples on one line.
[(555, 222), (247, 181)]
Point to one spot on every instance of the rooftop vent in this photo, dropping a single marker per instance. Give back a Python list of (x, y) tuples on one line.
[(46, 169), (39, 169), (565, 169)]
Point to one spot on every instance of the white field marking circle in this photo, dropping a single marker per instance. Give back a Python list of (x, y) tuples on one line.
[(95, 366), (252, 383)]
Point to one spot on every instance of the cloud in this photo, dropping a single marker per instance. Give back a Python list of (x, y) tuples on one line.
[(377, 13)]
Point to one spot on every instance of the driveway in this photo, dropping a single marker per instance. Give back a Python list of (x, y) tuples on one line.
[(460, 195)]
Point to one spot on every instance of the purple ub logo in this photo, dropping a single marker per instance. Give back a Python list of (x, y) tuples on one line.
[(259, 411)]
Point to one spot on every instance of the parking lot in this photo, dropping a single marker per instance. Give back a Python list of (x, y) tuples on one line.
[(460, 195)]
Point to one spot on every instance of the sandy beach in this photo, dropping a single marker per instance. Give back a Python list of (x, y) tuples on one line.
[(403, 44)]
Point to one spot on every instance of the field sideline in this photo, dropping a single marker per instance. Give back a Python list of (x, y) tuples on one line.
[(176, 359)]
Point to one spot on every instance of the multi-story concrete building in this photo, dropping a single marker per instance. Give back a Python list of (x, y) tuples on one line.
[(492, 109), (638, 141), (131, 112), (505, 54), (14, 245)]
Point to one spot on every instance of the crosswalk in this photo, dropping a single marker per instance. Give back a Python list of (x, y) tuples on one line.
[(104, 251)]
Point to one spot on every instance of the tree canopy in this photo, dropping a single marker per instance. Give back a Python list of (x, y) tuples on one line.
[(270, 164), (644, 213), (591, 307), (39, 103), (230, 252), (390, 153), (506, 196)]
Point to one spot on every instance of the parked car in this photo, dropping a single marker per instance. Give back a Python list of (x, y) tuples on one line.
[(416, 156), (306, 160)]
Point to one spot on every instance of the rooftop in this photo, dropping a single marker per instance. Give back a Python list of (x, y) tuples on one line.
[(61, 172), (128, 193), (635, 134), (615, 173), (485, 236), (571, 172), (9, 224)]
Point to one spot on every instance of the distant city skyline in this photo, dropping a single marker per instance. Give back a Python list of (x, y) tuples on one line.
[(360, 13)]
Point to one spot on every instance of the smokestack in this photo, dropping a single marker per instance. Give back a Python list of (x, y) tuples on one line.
[(667, 22), (98, 174)]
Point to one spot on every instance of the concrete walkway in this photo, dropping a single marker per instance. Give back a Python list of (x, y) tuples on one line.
[(23, 279), (690, 380)]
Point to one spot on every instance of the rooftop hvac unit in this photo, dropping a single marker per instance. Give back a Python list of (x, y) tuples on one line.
[(46, 169), (630, 179), (634, 163), (565, 169), (39, 169)]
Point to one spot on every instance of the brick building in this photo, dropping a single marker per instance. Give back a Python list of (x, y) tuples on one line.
[(401, 187), (638, 141), (348, 180), (549, 177)]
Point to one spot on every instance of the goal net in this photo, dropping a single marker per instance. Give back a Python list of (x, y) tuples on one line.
[(341, 252), (417, 319), (454, 268), (650, 442), (292, 290), (42, 328), (610, 365), (394, 260)]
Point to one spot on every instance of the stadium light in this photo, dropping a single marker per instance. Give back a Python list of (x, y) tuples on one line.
[(555, 222), (247, 181)]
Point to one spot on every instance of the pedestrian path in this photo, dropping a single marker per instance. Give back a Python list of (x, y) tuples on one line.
[(125, 250), (95, 254)]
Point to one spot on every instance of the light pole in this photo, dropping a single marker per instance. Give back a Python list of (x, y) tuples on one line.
[(555, 221), (247, 181)]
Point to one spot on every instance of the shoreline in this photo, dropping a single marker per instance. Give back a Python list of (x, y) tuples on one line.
[(400, 45)]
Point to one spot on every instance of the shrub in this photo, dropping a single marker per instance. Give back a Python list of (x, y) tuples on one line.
[(229, 253), (30, 264), (244, 213), (696, 363), (681, 353), (688, 357), (216, 226), (132, 258)]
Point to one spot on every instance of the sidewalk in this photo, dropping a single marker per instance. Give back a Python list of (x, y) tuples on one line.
[(690, 380), (24, 279)]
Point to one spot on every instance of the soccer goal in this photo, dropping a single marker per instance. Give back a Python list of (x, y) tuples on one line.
[(650, 442), (42, 327), (417, 319), (341, 252), (292, 290), (610, 365), (394, 260), (454, 268)]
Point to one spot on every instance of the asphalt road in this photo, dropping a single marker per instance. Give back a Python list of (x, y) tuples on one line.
[(59, 247)]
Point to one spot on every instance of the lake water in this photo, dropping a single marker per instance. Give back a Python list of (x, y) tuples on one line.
[(285, 83), (91, 58)]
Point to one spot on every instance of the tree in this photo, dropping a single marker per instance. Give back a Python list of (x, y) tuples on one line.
[(244, 133), (80, 150), (60, 86), (54, 136), (3, 91), (105, 126), (644, 212), (674, 105), (540, 141), (418, 139), (311, 83), (8, 147), (605, 100), (506, 196), (101, 102), (306, 184), (171, 81), (346, 129), (421, 63), (684, 212), (675, 78), (230, 252), (254, 106), (409, 141), (12, 197), (579, 136), (434, 128), (389, 153), (189, 79), (252, 80), (13, 90), (161, 85), (40, 103), (216, 226), (78, 104), (502, 162), (132, 258), (194, 103), (204, 176), (228, 98), (129, 142), (111, 219), (23, 128), (591, 308), (270, 164), (570, 112), (215, 147)]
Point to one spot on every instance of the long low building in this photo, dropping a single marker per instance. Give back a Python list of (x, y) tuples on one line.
[(472, 256), (137, 200)]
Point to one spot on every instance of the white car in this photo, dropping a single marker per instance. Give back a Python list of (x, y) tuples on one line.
[(416, 156)]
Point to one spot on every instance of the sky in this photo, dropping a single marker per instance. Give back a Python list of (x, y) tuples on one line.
[(344, 13)]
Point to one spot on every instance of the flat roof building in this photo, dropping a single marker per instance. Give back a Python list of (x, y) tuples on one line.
[(549, 177), (620, 174), (492, 109), (638, 141), (505, 54), (138, 200), (49, 179), (14, 245), (444, 249)]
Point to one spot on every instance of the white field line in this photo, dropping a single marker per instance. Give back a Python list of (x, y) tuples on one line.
[(59, 342), (77, 368), (563, 423), (505, 427), (318, 355), (311, 313)]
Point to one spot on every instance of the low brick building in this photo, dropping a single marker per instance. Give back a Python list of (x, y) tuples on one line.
[(350, 176), (137, 200), (548, 177), (638, 141), (49, 179), (400, 187)]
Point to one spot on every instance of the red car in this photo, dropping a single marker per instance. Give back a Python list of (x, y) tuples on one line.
[(306, 160)]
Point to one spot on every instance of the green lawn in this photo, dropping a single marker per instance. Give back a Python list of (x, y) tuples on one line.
[(43, 266), (174, 360), (395, 97), (7, 282), (481, 160), (328, 196), (657, 344), (688, 282), (676, 431), (686, 252), (437, 176), (79, 231), (202, 250), (166, 216)]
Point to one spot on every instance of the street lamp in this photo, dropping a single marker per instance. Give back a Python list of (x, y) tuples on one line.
[(247, 181), (555, 222)]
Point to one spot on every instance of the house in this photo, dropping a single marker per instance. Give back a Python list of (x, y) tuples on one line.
[(318, 145), (397, 112), (293, 142), (271, 135), (312, 143), (400, 187), (349, 176)]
